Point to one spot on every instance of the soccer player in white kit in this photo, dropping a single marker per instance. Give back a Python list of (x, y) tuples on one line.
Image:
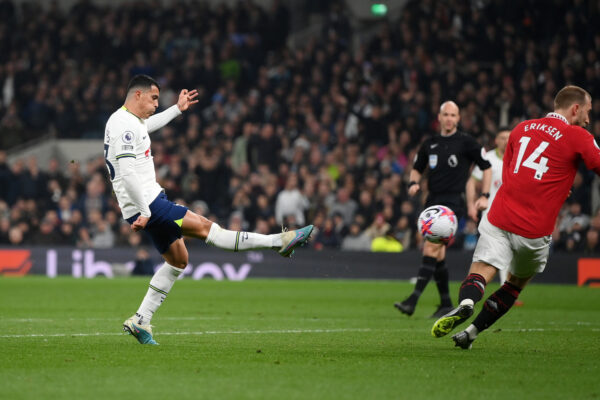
[(494, 156), (144, 205)]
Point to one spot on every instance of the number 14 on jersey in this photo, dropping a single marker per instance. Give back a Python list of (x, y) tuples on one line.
[(540, 167)]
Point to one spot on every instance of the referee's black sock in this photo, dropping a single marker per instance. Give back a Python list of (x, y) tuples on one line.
[(425, 274), (441, 279), (496, 306)]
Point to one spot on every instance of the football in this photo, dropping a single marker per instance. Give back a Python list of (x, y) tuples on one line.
[(438, 224)]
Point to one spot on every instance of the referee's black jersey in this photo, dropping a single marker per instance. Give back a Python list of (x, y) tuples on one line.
[(449, 159)]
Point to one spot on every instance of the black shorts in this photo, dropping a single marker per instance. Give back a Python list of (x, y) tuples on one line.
[(454, 201), (164, 226)]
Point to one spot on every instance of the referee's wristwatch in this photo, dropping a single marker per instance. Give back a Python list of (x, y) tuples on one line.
[(486, 195)]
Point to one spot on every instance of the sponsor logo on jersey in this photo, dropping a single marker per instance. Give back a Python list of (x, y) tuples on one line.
[(452, 161), (433, 159), (433, 146), (128, 137)]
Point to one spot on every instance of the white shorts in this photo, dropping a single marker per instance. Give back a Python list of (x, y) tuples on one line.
[(506, 251)]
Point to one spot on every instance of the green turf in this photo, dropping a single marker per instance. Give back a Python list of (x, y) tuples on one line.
[(287, 339)]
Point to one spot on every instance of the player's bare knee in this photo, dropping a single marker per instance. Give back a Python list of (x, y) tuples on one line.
[(434, 250), (196, 225), (181, 264), (179, 260)]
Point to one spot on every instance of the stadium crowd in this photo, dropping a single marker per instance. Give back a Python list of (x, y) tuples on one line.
[(324, 133)]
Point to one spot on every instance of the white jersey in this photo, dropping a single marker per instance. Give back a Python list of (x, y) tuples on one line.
[(496, 161), (129, 158)]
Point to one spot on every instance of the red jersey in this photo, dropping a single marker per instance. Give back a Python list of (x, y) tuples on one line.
[(540, 162)]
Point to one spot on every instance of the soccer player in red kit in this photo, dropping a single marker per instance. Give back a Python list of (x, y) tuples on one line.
[(540, 162)]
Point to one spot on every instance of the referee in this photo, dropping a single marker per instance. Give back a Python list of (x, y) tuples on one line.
[(449, 157)]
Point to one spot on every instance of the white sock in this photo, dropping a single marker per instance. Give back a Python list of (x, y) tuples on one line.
[(467, 302), (472, 331), (160, 285), (239, 241), (503, 275)]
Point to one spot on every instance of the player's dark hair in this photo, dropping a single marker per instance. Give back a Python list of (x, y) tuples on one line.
[(570, 95), (502, 129), (142, 82)]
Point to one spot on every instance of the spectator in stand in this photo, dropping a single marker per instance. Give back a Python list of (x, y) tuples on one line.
[(264, 148), (45, 235), (4, 229), (291, 201), (143, 263), (356, 240), (592, 242), (366, 207), (378, 228), (103, 236), (343, 205), (404, 232), (574, 220), (339, 224), (67, 235), (327, 237)]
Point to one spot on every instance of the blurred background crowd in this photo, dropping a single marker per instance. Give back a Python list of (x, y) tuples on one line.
[(324, 132)]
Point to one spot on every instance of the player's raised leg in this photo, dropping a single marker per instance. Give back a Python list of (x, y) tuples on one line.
[(178, 221), (285, 243)]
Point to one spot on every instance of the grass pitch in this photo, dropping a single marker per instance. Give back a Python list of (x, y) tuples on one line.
[(287, 339)]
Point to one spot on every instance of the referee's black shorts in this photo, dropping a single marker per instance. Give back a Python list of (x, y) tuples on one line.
[(454, 201)]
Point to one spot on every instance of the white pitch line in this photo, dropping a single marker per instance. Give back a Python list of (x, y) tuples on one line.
[(120, 319), (158, 334), (274, 331), (46, 320)]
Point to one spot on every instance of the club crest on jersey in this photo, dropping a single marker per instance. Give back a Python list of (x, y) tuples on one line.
[(433, 158), (452, 161), (128, 137)]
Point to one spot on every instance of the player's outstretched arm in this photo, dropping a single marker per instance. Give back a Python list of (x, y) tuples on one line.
[(186, 99)]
